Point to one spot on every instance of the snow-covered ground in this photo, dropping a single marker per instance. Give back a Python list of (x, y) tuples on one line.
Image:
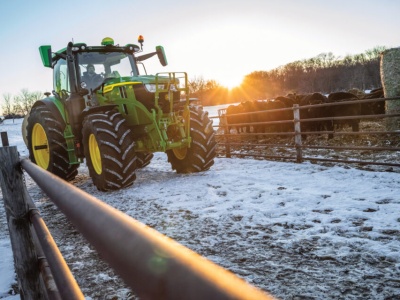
[(298, 231)]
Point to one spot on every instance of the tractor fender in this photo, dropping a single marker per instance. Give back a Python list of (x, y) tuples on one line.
[(50, 103), (55, 106)]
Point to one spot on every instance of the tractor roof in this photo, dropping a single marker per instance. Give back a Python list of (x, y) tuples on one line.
[(82, 47)]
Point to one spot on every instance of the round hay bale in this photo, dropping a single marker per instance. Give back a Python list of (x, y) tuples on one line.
[(390, 76)]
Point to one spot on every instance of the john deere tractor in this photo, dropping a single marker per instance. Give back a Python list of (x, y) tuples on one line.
[(103, 109)]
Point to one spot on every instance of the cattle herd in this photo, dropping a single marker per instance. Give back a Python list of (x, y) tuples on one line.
[(251, 116)]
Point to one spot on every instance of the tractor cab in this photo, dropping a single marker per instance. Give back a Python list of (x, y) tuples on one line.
[(94, 66)]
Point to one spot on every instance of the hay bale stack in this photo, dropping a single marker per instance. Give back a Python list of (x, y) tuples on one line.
[(390, 76)]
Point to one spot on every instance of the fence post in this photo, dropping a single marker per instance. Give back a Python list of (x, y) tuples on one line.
[(14, 192), (226, 132), (297, 130), (4, 139)]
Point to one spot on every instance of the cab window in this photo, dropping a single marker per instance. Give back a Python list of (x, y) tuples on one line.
[(61, 80)]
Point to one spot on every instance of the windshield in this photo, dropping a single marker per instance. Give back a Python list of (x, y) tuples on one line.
[(94, 67)]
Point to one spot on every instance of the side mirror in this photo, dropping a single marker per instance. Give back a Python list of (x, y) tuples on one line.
[(161, 55), (45, 54)]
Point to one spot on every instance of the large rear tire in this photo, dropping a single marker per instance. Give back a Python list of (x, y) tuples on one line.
[(109, 150), (200, 155), (46, 143)]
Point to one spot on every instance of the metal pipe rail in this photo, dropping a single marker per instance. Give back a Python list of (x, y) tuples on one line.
[(154, 266), (45, 271), (292, 158), (360, 101), (359, 117), (65, 282), (361, 162), (314, 147), (312, 119), (275, 133), (263, 156)]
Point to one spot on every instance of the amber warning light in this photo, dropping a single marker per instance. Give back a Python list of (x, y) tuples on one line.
[(141, 40)]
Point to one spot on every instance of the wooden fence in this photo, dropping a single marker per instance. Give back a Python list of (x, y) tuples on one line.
[(346, 147), (128, 246)]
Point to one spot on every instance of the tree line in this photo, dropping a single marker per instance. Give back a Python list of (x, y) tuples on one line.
[(18, 106), (324, 73)]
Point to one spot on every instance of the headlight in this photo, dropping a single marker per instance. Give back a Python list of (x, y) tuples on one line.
[(152, 87)]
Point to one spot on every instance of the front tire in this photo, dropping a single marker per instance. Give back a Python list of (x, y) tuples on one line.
[(200, 155), (109, 151), (46, 143)]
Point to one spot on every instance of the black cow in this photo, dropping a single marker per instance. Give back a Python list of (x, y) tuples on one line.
[(373, 108), (268, 113), (251, 107), (314, 113), (235, 121), (288, 101), (344, 110)]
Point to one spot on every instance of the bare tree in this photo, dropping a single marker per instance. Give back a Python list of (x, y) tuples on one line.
[(26, 100), (196, 85), (16, 108), (7, 106)]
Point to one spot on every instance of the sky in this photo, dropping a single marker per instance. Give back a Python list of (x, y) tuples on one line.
[(297, 230), (222, 40)]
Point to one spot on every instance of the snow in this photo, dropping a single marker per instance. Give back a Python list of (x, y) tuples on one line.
[(303, 230), (7, 274)]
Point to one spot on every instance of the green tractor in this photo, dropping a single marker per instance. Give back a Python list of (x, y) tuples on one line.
[(104, 110)]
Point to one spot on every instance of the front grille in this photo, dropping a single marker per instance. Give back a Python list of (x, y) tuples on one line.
[(148, 99)]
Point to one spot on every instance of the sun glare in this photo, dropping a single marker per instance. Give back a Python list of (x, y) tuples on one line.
[(231, 82)]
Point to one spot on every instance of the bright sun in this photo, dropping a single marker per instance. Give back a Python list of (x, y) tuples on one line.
[(231, 82)]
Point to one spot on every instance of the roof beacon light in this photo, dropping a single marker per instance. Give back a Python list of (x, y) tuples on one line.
[(107, 41), (140, 41)]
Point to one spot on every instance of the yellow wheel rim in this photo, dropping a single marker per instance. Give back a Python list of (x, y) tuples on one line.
[(40, 146), (95, 154), (180, 153)]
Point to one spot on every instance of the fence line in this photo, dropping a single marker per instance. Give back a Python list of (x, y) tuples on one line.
[(37, 259), (65, 285), (47, 276), (154, 266), (228, 139)]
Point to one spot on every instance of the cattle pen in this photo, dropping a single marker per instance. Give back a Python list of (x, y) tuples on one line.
[(371, 146)]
